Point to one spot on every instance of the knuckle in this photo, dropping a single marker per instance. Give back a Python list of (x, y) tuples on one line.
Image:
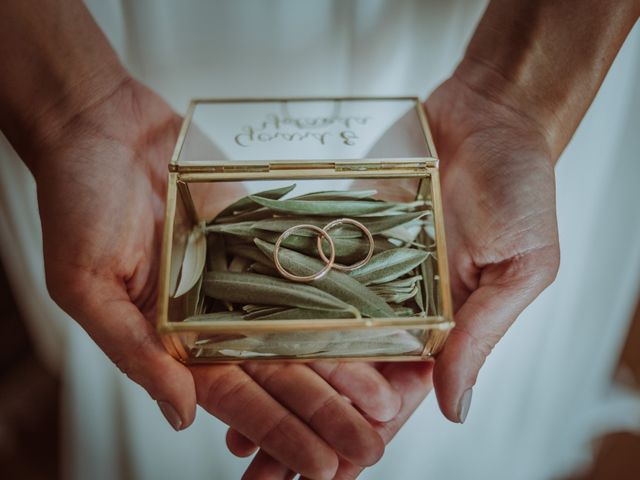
[(365, 447), (128, 361), (375, 390), (334, 372), (67, 287), (550, 272), (328, 404), (275, 429), (369, 450), (224, 393), (480, 347)]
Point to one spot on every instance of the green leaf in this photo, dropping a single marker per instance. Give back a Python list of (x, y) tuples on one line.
[(334, 207), (375, 225), (337, 195), (384, 290), (250, 251), (239, 264), (398, 297), (336, 283), (217, 316), (404, 311), (264, 269), (403, 282), (248, 288), (257, 214), (193, 262), (192, 300), (216, 253), (300, 344), (348, 250), (246, 203), (299, 314), (389, 265), (258, 311)]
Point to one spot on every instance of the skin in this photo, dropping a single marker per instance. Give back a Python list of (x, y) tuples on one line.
[(98, 143), (500, 124)]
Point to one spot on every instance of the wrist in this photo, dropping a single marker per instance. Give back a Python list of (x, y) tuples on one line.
[(523, 103), (55, 62), (35, 129), (547, 59), (72, 98)]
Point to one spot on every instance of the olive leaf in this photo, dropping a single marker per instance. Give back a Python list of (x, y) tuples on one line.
[(329, 207), (300, 344), (246, 203), (391, 296), (258, 311), (403, 311), (255, 288), (336, 195), (252, 307), (192, 300), (389, 265), (239, 264), (216, 316), (216, 253), (257, 214), (403, 282), (375, 225), (298, 314), (263, 269), (348, 250), (216, 260), (193, 261), (338, 284), (250, 251)]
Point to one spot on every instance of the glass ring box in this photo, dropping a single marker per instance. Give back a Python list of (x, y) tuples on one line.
[(301, 229)]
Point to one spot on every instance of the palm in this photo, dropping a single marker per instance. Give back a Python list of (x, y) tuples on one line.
[(499, 201), (102, 196), (101, 200)]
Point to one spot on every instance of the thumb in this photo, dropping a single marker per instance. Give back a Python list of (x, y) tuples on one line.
[(104, 309), (504, 290)]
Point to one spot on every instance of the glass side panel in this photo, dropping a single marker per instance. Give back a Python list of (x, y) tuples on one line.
[(222, 133), (369, 342)]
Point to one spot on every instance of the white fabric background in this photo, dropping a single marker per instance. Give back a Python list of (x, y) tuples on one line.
[(546, 390)]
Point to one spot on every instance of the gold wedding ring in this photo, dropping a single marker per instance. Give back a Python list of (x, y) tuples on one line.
[(355, 223), (329, 262), (308, 278)]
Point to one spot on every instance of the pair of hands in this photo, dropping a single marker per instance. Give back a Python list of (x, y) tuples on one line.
[(101, 177)]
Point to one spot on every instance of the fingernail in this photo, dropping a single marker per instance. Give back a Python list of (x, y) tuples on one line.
[(464, 404), (171, 415)]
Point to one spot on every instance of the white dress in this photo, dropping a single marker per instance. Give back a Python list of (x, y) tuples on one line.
[(544, 393)]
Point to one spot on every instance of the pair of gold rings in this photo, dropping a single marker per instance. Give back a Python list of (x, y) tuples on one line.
[(323, 234)]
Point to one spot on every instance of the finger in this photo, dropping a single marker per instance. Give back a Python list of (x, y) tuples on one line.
[(360, 382), (414, 382), (364, 385), (231, 395), (264, 467), (130, 341), (504, 291), (308, 396), (240, 445)]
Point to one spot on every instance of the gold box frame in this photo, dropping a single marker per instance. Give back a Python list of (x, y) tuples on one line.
[(172, 333)]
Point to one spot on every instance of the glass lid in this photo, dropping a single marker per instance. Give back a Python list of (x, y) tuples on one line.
[(307, 131)]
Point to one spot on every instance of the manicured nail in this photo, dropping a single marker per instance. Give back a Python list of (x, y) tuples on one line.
[(464, 404), (171, 415)]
